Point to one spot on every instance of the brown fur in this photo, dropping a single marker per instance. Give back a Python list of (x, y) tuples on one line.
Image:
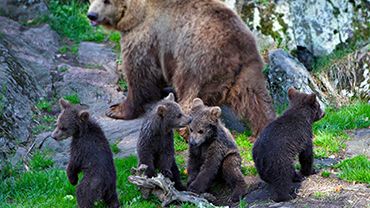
[(283, 140), (90, 154), (200, 47), (213, 152), (155, 146)]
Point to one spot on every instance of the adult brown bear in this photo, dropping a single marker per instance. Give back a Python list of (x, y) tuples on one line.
[(199, 47)]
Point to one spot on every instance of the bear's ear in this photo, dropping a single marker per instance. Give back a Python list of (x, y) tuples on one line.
[(161, 110), (215, 113), (64, 104), (311, 99), (170, 97), (83, 115), (197, 102), (291, 92)]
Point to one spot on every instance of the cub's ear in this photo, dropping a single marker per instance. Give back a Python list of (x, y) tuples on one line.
[(311, 99), (291, 92), (161, 110), (83, 115), (170, 97), (215, 113), (64, 104), (197, 102)]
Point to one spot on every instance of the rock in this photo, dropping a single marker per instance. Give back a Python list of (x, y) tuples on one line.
[(23, 10), (347, 78), (18, 156), (293, 23), (97, 55), (286, 71), (26, 59), (359, 143)]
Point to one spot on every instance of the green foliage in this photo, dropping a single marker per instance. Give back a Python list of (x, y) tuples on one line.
[(325, 62), (180, 143), (330, 133), (122, 85), (355, 169), (40, 161), (73, 98), (325, 174), (245, 146), (115, 149), (69, 49), (44, 105), (69, 19), (249, 170)]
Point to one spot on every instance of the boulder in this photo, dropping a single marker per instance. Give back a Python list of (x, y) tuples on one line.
[(23, 10)]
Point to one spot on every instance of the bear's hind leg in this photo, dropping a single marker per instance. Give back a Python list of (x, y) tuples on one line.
[(111, 198), (87, 193), (233, 176), (306, 161)]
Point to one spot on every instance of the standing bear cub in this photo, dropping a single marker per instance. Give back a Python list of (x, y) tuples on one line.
[(213, 152), (285, 138), (156, 146), (90, 154)]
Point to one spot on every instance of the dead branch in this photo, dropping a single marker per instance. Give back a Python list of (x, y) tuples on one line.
[(163, 188)]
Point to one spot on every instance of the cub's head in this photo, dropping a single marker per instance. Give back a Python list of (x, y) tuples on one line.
[(205, 122), (303, 100), (171, 114), (69, 120), (106, 12)]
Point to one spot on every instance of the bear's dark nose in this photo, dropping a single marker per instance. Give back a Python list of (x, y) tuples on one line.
[(92, 16)]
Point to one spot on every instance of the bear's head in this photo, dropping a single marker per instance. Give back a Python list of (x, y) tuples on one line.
[(171, 114), (298, 100), (205, 122), (119, 15), (69, 120)]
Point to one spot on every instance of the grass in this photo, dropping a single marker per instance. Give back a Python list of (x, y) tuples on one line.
[(115, 149), (72, 98), (179, 142), (324, 62), (330, 135), (355, 169), (40, 161), (44, 105), (325, 174), (122, 85)]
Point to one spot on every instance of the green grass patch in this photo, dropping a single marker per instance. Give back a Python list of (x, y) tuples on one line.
[(115, 149), (41, 161), (122, 85), (355, 169), (249, 170), (330, 136), (325, 174), (73, 98), (324, 62), (180, 143), (245, 146), (44, 105)]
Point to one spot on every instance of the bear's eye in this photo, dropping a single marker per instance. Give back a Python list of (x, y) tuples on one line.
[(200, 132), (106, 2), (63, 128), (179, 115)]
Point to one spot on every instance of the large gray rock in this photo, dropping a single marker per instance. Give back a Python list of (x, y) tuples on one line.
[(23, 10), (96, 55), (318, 25), (286, 71), (359, 143), (26, 60)]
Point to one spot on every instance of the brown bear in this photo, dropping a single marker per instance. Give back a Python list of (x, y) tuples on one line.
[(282, 140), (90, 154), (212, 152), (199, 47), (155, 146)]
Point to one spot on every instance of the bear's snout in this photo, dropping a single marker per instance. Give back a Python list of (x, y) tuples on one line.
[(93, 16)]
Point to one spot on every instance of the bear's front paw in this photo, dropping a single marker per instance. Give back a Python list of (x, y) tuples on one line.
[(122, 111), (196, 187)]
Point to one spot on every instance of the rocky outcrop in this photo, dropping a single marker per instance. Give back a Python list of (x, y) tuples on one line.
[(335, 85), (23, 10), (26, 58), (318, 25)]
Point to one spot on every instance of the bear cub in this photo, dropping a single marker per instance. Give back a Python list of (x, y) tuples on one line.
[(90, 154), (212, 152), (155, 146), (285, 138)]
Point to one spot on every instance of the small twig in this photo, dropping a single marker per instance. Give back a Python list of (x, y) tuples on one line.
[(164, 189)]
